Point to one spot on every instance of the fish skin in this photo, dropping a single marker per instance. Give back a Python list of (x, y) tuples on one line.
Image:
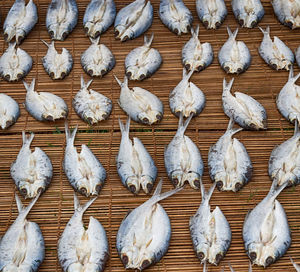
[(61, 18), (141, 105), (15, 63), (266, 232), (175, 16), (210, 231), (243, 109), (57, 65), (287, 12), (98, 17), (186, 98), (81, 249), (211, 13), (182, 158), (133, 20), (137, 246), (229, 164), (20, 20), (31, 171), (28, 239), (196, 56), (91, 106), (97, 60), (276, 54), (248, 13), (234, 56), (83, 170), (135, 165), (297, 54), (142, 62), (9, 111), (296, 266), (44, 106)]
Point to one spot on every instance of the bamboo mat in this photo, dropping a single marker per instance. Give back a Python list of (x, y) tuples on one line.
[(55, 206)]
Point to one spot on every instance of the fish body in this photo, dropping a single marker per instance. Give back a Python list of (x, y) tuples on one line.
[(80, 248), (143, 61), (98, 17), (298, 56), (9, 111), (91, 106), (61, 18), (133, 20), (287, 12)]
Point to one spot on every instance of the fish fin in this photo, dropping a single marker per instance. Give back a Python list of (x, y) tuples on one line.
[(47, 44), (230, 267), (124, 83), (230, 34), (250, 267), (265, 32), (186, 75), (83, 84), (84, 207), (27, 209), (183, 126), (291, 75), (148, 41), (227, 86), (207, 196), (126, 128), (27, 140), (275, 190), (235, 33), (70, 136), (158, 187), (95, 41), (229, 31), (19, 203), (231, 129)]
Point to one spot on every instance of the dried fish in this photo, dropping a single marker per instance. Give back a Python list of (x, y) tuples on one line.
[(9, 111), (287, 12)]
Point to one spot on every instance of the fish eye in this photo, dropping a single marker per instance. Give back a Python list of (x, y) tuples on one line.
[(175, 181), (83, 191), (64, 35), (205, 23), (23, 192), (187, 66), (252, 256), (90, 72), (63, 74), (253, 24), (132, 188), (145, 264), (52, 75), (218, 24), (269, 260), (239, 70), (241, 22), (149, 187), (219, 185), (200, 256), (238, 186), (145, 120), (197, 183), (7, 77), (219, 257), (125, 260), (98, 188)]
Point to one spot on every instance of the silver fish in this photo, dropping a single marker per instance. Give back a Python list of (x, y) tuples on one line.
[(144, 235), (298, 56), (141, 105), (9, 111), (133, 20), (22, 247), (143, 61), (175, 16), (210, 231), (196, 56), (15, 63), (91, 106), (57, 66), (243, 109), (135, 165), (97, 60), (287, 12), (61, 18), (80, 248), (229, 164), (183, 160), (20, 20), (234, 56), (44, 106), (186, 98), (276, 54), (211, 13), (248, 12), (266, 231), (83, 170), (31, 171), (296, 266)]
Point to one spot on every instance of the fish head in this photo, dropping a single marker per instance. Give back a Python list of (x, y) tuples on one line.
[(280, 64), (6, 121), (131, 260), (58, 32), (147, 184), (91, 31), (215, 254), (134, 73), (262, 255), (233, 67), (176, 178), (150, 117), (9, 33), (31, 188), (58, 72), (123, 33), (54, 114), (133, 184), (193, 179)]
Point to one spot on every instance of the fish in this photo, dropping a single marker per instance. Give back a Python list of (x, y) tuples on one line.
[(83, 248), (176, 16), (44, 106), (135, 165), (287, 12), (31, 171), (20, 20), (98, 17), (15, 63), (83, 170), (142, 62), (298, 56), (9, 111), (210, 231), (22, 247), (211, 13), (97, 60), (144, 235), (243, 109), (275, 53), (229, 164), (133, 20), (296, 266), (61, 18), (186, 98), (248, 12), (196, 56), (91, 106), (183, 161), (266, 231), (234, 56), (141, 105), (57, 66), (288, 101)]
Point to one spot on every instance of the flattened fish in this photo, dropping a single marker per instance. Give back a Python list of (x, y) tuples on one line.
[(9, 111), (287, 12)]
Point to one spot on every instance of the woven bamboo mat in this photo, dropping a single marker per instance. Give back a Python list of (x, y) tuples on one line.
[(55, 207)]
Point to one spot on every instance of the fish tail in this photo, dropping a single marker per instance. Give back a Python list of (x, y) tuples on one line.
[(195, 32), (250, 267), (26, 210), (291, 75), (31, 87), (148, 41), (296, 129), (82, 208), (95, 41), (27, 140), (227, 86), (70, 136), (206, 196), (120, 82), (275, 190), (85, 85), (205, 267), (230, 267), (265, 32), (47, 44), (183, 126), (230, 128), (125, 129), (230, 34)]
